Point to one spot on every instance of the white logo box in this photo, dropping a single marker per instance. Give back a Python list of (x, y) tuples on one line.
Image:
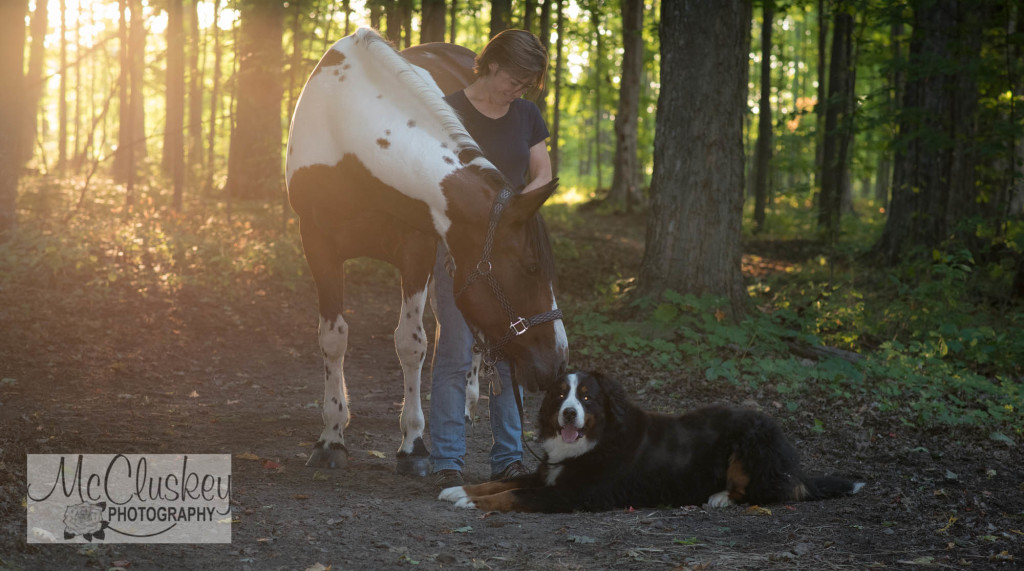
[(129, 498)]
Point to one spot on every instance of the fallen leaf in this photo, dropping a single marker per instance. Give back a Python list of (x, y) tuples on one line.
[(247, 456), (271, 465), (193, 394), (466, 529), (758, 510), (376, 454), (318, 567), (301, 497)]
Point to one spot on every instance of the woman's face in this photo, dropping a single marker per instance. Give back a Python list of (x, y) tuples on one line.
[(507, 86)]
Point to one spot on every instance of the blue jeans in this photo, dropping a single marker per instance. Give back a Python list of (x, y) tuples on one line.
[(453, 356)]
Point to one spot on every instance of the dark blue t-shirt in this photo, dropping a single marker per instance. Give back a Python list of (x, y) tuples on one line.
[(505, 141)]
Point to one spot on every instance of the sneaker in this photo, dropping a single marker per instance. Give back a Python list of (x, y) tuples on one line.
[(513, 470), (445, 479)]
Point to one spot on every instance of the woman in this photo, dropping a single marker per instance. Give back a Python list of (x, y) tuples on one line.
[(512, 134)]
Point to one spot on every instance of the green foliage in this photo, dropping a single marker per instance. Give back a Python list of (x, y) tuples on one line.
[(947, 370)]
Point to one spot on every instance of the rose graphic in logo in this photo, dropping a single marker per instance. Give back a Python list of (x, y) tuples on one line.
[(85, 519)]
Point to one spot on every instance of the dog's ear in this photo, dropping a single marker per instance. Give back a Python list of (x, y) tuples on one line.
[(616, 401)]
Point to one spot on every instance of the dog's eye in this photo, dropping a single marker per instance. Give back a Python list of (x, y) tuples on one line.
[(586, 398)]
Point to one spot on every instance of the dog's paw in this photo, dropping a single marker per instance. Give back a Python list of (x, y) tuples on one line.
[(465, 503), (453, 494), (720, 500)]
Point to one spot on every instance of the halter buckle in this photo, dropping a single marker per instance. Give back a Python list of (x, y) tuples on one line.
[(483, 267), (519, 326)]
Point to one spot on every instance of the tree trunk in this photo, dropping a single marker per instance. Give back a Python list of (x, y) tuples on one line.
[(12, 63), (545, 38), (933, 181), (62, 98), (211, 141), (833, 166), (598, 72), (124, 160), (254, 160), (432, 28), (763, 150), (174, 127), (195, 92), (34, 83), (501, 16), (137, 51), (556, 118), (626, 181), (454, 17), (822, 104), (529, 14), (694, 223)]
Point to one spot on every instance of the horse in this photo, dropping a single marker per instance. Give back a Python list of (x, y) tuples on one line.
[(378, 165)]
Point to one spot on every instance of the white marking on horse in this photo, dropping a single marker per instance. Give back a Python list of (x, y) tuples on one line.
[(333, 343), (327, 124), (411, 346)]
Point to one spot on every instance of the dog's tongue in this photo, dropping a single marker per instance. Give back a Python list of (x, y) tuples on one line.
[(570, 434)]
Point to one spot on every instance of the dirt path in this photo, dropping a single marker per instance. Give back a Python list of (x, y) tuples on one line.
[(194, 373)]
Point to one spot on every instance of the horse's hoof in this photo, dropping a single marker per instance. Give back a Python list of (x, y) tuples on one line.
[(333, 458), (418, 466)]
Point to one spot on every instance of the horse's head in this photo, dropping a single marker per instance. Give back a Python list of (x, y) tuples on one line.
[(514, 280)]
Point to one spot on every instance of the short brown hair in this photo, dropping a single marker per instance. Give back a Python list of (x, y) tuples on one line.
[(518, 51)]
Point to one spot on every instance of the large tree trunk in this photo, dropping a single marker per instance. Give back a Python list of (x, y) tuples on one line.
[(34, 81), (432, 28), (545, 38), (556, 119), (254, 160), (12, 78), (195, 92), (933, 180), (598, 72), (174, 127), (694, 223), (625, 191), (501, 16), (211, 141), (822, 104), (763, 151), (837, 125)]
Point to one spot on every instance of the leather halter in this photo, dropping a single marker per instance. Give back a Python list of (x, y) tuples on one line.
[(492, 352)]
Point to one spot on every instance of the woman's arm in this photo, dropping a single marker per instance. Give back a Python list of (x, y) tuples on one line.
[(540, 167)]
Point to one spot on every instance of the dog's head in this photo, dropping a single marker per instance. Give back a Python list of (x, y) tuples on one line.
[(577, 412)]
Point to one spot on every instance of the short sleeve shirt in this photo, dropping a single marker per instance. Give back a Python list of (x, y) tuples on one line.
[(505, 141)]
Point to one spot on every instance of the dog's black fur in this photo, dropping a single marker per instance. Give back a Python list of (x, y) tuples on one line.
[(622, 456)]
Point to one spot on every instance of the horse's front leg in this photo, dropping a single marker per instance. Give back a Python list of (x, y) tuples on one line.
[(411, 344)]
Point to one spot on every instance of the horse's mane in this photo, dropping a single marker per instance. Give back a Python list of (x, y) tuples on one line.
[(384, 54), (537, 235)]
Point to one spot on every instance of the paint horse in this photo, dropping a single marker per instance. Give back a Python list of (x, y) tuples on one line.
[(379, 165)]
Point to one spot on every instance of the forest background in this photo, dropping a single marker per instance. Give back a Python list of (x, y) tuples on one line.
[(874, 147)]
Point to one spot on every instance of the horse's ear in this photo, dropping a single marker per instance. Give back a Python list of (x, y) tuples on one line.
[(524, 205)]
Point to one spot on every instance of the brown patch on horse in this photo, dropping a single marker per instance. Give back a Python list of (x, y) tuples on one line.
[(331, 59), (736, 480), (383, 143)]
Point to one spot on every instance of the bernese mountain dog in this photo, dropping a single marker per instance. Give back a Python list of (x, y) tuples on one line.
[(602, 452)]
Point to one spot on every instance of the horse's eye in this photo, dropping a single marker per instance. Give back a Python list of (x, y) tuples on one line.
[(532, 268)]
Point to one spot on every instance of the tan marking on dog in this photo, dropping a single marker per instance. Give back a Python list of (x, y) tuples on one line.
[(503, 502), (800, 492), (488, 489), (736, 480)]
